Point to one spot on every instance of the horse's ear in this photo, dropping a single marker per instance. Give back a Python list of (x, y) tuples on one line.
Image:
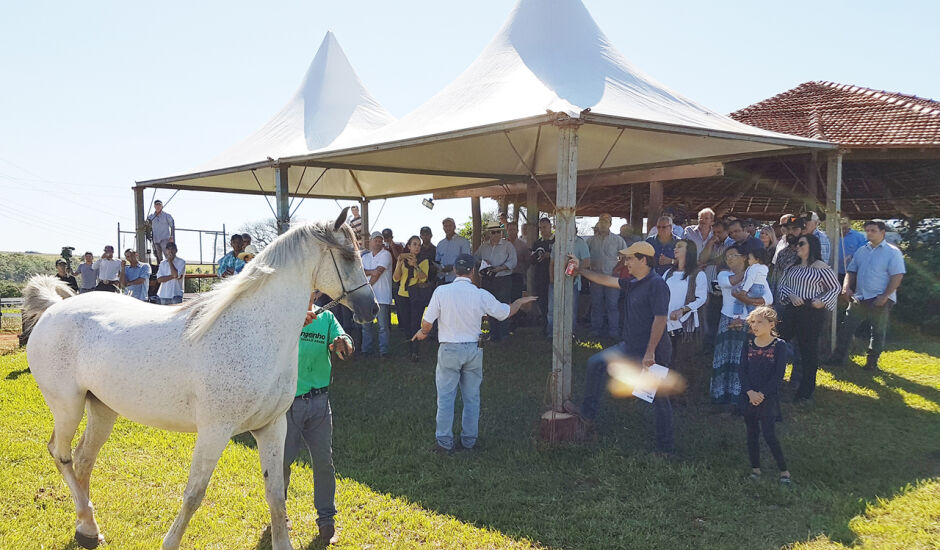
[(341, 219)]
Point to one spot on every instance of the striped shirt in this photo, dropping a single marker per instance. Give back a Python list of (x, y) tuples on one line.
[(810, 283)]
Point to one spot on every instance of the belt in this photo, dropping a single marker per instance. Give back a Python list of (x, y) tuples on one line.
[(313, 393)]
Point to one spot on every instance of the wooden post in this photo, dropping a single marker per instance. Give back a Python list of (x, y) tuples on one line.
[(364, 213), (140, 233), (833, 213), (477, 224), (282, 198), (812, 183), (565, 231), (655, 206)]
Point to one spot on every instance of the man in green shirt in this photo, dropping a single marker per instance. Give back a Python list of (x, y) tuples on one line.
[(309, 419)]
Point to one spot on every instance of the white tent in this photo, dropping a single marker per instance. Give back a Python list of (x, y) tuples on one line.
[(549, 95)]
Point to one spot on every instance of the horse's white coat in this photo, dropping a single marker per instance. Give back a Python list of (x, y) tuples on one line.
[(220, 366)]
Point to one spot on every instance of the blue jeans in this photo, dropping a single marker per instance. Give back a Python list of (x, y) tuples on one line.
[(595, 385), (604, 304), (458, 366), (173, 300), (756, 291), (551, 309), (384, 320)]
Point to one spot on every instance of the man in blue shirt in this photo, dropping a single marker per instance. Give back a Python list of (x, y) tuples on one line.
[(850, 241), (230, 264), (664, 244), (646, 305), (451, 246), (871, 283), (737, 233), (135, 276)]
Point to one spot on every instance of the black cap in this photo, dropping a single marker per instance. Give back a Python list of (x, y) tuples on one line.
[(465, 261)]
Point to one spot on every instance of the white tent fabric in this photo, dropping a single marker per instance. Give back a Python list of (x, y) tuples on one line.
[(331, 108), (494, 122)]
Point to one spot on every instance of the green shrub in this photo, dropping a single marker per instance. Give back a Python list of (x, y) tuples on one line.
[(919, 295)]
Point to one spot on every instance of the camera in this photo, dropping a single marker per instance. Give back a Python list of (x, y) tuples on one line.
[(66, 255)]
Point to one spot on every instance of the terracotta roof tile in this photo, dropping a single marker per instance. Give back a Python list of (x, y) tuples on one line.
[(848, 115)]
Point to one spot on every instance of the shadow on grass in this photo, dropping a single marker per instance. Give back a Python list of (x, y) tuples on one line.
[(614, 492), (17, 373)]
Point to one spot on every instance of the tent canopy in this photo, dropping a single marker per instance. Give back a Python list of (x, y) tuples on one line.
[(550, 62)]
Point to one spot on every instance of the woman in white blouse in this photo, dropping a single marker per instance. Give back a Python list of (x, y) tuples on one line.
[(688, 289)]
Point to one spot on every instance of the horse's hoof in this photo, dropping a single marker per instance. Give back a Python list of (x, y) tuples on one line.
[(88, 541)]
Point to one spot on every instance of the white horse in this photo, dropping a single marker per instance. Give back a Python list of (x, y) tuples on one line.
[(220, 365)]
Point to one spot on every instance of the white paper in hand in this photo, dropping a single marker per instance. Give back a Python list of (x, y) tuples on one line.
[(484, 264), (655, 373)]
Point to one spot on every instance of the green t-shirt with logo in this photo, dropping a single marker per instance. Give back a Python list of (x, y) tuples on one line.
[(313, 362)]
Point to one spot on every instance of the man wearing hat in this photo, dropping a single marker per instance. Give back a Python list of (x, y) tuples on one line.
[(63, 274), (163, 229), (458, 309), (644, 341), (497, 258), (377, 264)]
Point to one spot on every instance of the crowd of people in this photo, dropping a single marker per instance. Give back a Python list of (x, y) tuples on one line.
[(752, 296)]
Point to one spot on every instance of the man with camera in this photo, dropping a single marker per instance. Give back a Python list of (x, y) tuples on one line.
[(108, 270), (458, 309)]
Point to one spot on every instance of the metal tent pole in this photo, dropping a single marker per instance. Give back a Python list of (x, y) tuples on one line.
[(282, 198), (833, 213)]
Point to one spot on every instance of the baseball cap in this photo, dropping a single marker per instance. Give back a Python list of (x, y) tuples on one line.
[(790, 220), (375, 234), (465, 261), (496, 226), (810, 217), (158, 201), (641, 247), (60, 261)]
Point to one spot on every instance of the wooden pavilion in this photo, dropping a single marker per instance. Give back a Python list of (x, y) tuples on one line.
[(890, 144)]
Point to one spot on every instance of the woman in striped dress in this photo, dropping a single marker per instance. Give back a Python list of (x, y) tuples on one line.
[(808, 290)]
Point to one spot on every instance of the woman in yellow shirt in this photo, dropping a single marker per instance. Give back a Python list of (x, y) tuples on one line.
[(410, 272)]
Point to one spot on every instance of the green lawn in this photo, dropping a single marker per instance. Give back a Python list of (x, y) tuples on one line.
[(865, 461)]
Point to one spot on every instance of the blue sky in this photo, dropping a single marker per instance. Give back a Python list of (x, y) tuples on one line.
[(97, 95)]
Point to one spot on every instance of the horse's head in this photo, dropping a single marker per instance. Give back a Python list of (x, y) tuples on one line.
[(340, 273)]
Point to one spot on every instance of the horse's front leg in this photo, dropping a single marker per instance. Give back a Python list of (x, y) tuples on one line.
[(209, 446), (270, 441)]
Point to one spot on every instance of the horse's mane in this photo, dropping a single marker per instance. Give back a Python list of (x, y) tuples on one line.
[(295, 246)]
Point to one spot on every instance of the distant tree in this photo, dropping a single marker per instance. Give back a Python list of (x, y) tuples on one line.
[(262, 232), (10, 290), (17, 267)]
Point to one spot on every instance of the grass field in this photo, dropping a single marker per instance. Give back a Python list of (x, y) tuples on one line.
[(865, 463)]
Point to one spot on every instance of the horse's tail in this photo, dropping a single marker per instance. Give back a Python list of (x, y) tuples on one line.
[(40, 293)]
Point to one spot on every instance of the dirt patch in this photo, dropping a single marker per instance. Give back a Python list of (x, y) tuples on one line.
[(9, 341)]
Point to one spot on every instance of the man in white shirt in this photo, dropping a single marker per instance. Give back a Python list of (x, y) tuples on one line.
[(699, 234), (377, 264), (458, 309), (170, 275), (109, 271), (497, 259)]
